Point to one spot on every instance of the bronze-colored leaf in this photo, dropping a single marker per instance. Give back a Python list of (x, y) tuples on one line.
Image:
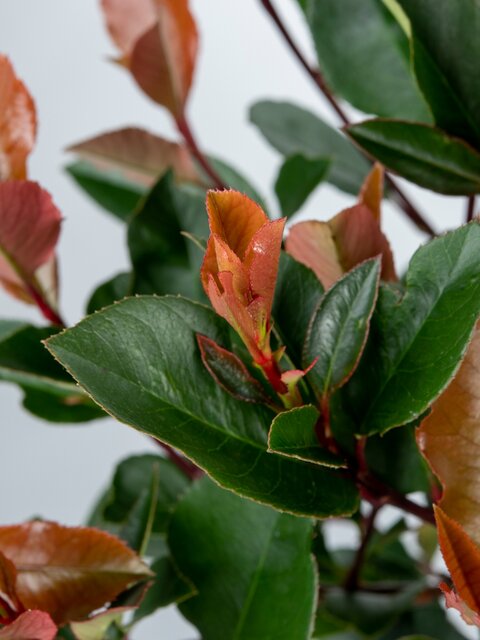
[(18, 123), (449, 438), (31, 625), (68, 571)]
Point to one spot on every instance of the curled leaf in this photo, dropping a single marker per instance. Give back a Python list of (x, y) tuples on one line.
[(31, 625), (68, 571), (29, 230), (18, 123)]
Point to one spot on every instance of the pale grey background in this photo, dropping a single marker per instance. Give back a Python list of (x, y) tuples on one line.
[(60, 49)]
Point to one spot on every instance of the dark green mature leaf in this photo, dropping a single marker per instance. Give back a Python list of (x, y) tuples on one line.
[(417, 341), (446, 49), (160, 255), (297, 294), (396, 459), (425, 155), (139, 359), (293, 434), (298, 178), (339, 327), (426, 619), (50, 393), (110, 291), (293, 130), (255, 591), (364, 55), (110, 190)]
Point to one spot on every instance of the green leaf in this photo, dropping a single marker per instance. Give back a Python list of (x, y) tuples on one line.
[(425, 155), (110, 190), (298, 178), (339, 327), (159, 252), (418, 339), (292, 434), (444, 53), (293, 130), (297, 294), (50, 393), (364, 55), (396, 459), (139, 359), (263, 589), (428, 620), (109, 292)]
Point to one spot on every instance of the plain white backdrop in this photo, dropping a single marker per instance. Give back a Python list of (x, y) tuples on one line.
[(61, 50)]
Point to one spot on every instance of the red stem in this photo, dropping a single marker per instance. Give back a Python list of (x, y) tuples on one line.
[(406, 205), (352, 580), (187, 133), (47, 311)]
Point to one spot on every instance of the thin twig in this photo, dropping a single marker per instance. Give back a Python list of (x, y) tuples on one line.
[(352, 580), (187, 133), (470, 208), (402, 200)]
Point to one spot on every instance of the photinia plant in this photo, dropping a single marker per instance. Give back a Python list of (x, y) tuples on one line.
[(288, 370)]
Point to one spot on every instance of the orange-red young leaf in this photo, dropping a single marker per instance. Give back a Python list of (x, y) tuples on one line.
[(127, 20), (462, 557), (18, 123), (332, 248), (29, 230), (449, 438), (31, 625), (68, 571), (138, 156), (371, 193), (159, 47), (240, 267)]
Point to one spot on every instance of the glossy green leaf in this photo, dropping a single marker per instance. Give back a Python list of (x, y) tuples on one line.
[(139, 359), (445, 49), (339, 327), (109, 292), (110, 190), (293, 434), (298, 178), (419, 338), (364, 55), (293, 130), (297, 294), (69, 409), (425, 155), (263, 589)]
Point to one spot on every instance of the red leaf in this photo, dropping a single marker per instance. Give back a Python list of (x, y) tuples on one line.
[(138, 156), (29, 230), (453, 601), (332, 248), (18, 123), (159, 44), (68, 571), (31, 625)]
